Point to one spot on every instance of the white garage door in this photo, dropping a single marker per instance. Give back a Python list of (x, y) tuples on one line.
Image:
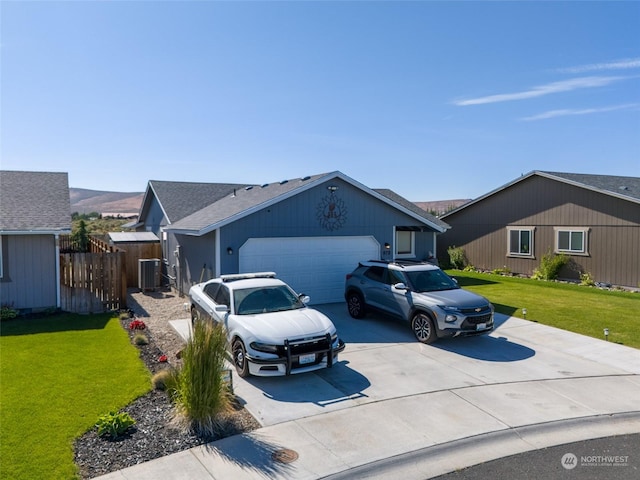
[(316, 266)]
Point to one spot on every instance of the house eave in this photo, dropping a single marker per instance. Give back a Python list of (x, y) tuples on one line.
[(36, 232)]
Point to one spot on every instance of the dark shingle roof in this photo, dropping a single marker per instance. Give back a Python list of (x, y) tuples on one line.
[(251, 198), (246, 199), (181, 199), (34, 201), (610, 184), (390, 194)]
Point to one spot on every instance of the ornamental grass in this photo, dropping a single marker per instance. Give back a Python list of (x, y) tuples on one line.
[(201, 395)]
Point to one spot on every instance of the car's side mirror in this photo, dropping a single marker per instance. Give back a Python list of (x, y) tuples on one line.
[(400, 286), (221, 309), (304, 298)]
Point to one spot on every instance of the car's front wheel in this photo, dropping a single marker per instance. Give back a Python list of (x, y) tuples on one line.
[(240, 358), (355, 305), (423, 328), (196, 317)]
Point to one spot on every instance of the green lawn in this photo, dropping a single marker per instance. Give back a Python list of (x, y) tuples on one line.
[(572, 307), (58, 374)]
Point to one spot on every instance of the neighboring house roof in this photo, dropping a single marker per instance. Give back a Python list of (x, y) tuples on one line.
[(133, 237), (245, 201), (180, 199), (34, 202), (626, 188), (411, 206)]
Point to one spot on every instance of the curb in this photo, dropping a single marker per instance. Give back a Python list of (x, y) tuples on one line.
[(448, 457)]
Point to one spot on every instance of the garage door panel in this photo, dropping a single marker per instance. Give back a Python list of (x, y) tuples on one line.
[(315, 266)]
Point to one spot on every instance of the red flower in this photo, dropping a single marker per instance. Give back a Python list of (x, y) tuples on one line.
[(162, 358), (137, 325)]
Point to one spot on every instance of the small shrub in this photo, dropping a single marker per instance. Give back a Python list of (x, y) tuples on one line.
[(457, 257), (501, 271), (7, 312), (470, 268), (586, 279), (114, 424), (165, 380), (140, 339), (550, 266), (201, 394)]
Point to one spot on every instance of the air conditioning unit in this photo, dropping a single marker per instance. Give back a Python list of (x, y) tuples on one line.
[(148, 273)]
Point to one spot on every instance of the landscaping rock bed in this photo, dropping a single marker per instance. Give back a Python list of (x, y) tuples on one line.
[(153, 435)]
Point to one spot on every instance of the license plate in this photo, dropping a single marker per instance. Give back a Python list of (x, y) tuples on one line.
[(308, 358), (481, 326)]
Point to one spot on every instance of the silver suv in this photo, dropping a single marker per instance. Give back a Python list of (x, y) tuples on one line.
[(429, 299)]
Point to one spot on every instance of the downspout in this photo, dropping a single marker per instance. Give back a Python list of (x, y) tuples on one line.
[(217, 253), (57, 243), (435, 247)]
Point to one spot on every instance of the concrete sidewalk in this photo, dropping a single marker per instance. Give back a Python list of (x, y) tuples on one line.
[(394, 405)]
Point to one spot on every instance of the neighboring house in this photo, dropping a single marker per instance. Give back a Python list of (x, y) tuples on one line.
[(593, 219), (311, 231), (34, 211)]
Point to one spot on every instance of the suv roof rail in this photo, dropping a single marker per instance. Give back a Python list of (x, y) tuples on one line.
[(399, 263), (245, 276)]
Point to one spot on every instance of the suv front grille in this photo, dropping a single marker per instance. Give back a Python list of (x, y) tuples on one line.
[(471, 322), (474, 311), (299, 347)]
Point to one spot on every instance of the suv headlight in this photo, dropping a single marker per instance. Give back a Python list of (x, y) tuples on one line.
[(264, 347), (450, 312)]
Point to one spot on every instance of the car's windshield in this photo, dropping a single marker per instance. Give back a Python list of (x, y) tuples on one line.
[(250, 301), (430, 280)]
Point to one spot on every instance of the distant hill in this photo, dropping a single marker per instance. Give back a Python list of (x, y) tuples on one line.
[(440, 207), (87, 201)]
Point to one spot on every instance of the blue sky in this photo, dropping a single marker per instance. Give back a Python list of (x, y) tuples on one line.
[(435, 100)]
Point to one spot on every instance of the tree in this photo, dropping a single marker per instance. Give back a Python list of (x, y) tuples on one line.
[(80, 237)]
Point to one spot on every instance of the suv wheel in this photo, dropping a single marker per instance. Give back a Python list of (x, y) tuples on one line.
[(423, 328), (355, 305)]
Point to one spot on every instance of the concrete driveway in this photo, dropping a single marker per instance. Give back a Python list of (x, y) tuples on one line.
[(519, 361), (395, 408)]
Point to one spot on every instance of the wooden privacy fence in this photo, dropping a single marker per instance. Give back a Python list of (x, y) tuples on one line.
[(93, 282)]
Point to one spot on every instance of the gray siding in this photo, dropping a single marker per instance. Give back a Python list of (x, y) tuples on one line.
[(298, 217), (195, 261), (29, 280), (614, 229), (155, 218), (293, 217)]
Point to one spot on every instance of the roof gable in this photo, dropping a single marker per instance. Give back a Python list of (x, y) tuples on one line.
[(252, 198), (34, 202), (626, 188)]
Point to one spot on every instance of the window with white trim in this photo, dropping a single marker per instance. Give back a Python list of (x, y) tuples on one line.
[(405, 243), (571, 240), (520, 241)]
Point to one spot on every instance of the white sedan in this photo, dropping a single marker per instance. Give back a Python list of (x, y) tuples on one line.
[(271, 331)]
